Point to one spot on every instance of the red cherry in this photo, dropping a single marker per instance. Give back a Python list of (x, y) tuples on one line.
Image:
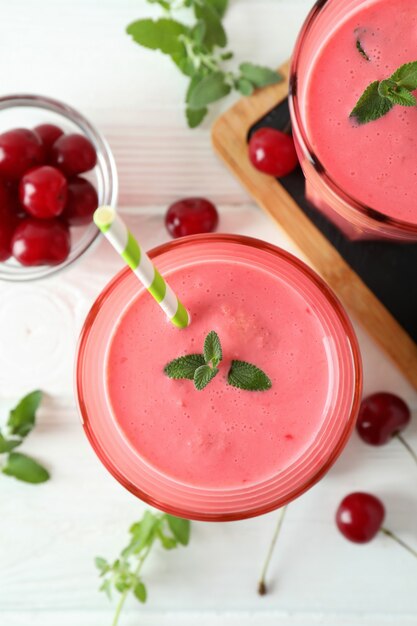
[(73, 154), (81, 203), (360, 517), (191, 216), (20, 149), (381, 417), (272, 152), (43, 192), (48, 134), (8, 222), (41, 242)]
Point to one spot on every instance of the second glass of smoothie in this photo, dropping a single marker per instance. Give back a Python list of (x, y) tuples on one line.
[(222, 453), (363, 177)]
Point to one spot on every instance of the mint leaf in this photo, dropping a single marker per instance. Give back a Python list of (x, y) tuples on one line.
[(402, 97), (106, 587), (7, 445), (22, 417), (371, 105), (162, 34), (406, 76), (101, 565), (396, 94), (220, 6), (248, 377), (258, 75), (215, 34), (203, 376), (213, 349), (195, 116), (142, 534), (386, 87), (211, 88), (361, 50), (198, 32), (140, 592), (168, 543), (180, 528), (184, 367), (245, 87), (25, 468)]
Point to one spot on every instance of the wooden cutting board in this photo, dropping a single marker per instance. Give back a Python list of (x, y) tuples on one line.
[(376, 281)]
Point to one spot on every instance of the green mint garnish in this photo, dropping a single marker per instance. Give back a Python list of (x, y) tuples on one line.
[(197, 49), (20, 423), (124, 575), (381, 96), (184, 367), (361, 50), (213, 349), (203, 376), (25, 468), (248, 377), (202, 368)]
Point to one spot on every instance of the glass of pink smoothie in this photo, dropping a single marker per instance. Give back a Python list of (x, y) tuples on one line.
[(221, 453), (363, 177)]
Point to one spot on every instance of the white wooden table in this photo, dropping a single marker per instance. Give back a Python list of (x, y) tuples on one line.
[(77, 51)]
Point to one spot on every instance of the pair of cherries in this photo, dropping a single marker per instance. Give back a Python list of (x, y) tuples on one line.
[(360, 516)]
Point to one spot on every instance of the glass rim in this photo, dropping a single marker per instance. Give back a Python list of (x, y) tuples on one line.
[(361, 208), (356, 386), (105, 162)]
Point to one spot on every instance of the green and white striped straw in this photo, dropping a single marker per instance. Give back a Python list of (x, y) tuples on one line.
[(116, 231)]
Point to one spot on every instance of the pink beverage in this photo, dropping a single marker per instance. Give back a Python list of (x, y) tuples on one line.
[(363, 177), (221, 453)]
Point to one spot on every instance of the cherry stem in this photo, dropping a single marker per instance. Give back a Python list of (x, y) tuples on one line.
[(400, 542), (407, 446), (262, 588), (287, 128)]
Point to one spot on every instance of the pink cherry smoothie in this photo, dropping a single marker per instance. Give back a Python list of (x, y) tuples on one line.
[(375, 163), (223, 437)]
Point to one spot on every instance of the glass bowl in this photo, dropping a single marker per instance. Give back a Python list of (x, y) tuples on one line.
[(27, 111)]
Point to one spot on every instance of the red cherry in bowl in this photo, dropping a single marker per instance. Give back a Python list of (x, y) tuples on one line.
[(360, 517), (191, 216), (73, 154), (48, 134), (20, 150), (82, 201), (41, 242), (381, 417), (272, 152), (43, 192)]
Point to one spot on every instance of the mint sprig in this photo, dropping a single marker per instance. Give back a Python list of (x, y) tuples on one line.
[(20, 423), (202, 368), (197, 49), (381, 96), (124, 575)]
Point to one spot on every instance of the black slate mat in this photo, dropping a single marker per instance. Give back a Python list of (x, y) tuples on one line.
[(388, 269)]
